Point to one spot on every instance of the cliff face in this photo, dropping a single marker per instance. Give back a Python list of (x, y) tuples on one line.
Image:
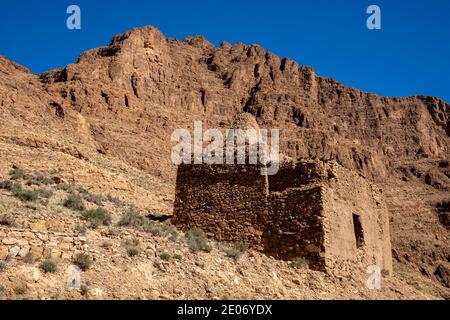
[(106, 120)]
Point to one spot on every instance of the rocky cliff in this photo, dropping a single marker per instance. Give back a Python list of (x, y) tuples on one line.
[(105, 122)]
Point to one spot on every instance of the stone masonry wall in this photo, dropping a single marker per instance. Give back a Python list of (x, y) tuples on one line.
[(18, 242), (296, 226), (228, 202)]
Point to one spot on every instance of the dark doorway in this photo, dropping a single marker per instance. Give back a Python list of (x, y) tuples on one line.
[(359, 234)]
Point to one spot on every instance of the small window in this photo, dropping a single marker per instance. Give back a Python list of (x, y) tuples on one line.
[(359, 234)]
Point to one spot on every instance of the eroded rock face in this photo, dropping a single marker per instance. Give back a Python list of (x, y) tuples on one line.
[(106, 120)]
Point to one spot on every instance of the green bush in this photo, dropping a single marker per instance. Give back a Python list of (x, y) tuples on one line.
[(74, 202), (48, 266), (197, 241), (83, 261), (235, 250), (97, 217)]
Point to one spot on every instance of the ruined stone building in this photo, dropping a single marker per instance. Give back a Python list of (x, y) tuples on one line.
[(317, 210), (321, 211)]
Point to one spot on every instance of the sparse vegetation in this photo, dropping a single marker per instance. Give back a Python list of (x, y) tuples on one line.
[(133, 219), (69, 188), (83, 261), (299, 263), (20, 288), (81, 229), (25, 195), (17, 174), (2, 266), (29, 258), (132, 251), (197, 241), (45, 193), (94, 198), (7, 220), (177, 257), (132, 247), (97, 217), (74, 202), (6, 184), (84, 289), (165, 256), (48, 265), (235, 250)]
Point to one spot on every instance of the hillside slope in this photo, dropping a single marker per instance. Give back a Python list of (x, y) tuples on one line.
[(105, 122)]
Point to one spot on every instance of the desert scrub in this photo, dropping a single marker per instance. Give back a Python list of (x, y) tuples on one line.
[(69, 188), (83, 261), (133, 219), (131, 246), (45, 193), (196, 239), (132, 251), (97, 217), (235, 250), (299, 263), (161, 229), (25, 195), (29, 258), (177, 257), (81, 229), (48, 266), (165, 256), (74, 202), (7, 220), (84, 290), (17, 174), (94, 198), (20, 288), (6, 184)]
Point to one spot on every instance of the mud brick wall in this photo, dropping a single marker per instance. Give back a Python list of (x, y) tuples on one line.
[(229, 202), (295, 228)]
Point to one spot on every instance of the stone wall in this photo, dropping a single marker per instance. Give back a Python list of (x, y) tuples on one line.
[(18, 242), (228, 202), (295, 228), (317, 210)]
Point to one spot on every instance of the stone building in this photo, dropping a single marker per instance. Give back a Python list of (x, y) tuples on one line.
[(321, 211)]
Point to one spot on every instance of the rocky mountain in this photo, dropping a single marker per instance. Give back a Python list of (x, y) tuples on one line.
[(105, 122)]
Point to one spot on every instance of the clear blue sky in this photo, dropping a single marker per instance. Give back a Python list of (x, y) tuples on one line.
[(410, 55)]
